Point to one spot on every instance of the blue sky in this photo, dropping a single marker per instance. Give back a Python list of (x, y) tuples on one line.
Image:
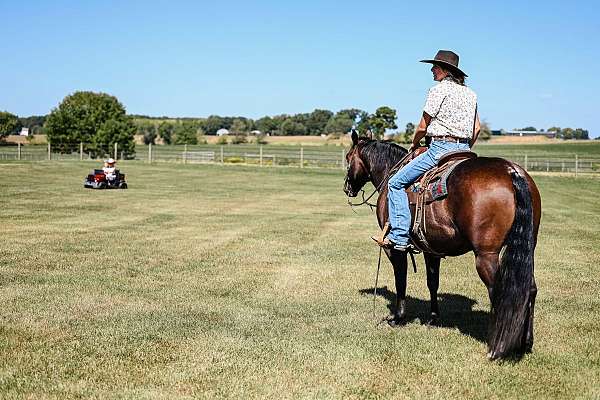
[(531, 63)]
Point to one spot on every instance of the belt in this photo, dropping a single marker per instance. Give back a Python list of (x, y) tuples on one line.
[(452, 139)]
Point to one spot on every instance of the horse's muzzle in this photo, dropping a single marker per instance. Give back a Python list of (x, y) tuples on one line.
[(349, 191)]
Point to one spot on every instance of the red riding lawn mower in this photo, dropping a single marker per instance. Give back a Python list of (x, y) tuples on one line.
[(97, 180)]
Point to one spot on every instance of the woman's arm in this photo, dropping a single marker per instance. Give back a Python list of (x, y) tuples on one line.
[(476, 130), (421, 131)]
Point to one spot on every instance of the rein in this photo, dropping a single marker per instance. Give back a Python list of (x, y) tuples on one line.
[(390, 173)]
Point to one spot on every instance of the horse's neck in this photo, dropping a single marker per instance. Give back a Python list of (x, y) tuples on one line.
[(379, 176), (379, 173)]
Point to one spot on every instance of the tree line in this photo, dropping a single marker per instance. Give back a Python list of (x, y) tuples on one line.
[(316, 123), (99, 121)]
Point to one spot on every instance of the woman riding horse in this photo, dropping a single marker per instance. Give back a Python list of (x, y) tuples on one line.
[(450, 119), (492, 207)]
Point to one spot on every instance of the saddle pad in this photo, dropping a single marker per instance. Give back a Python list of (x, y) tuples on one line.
[(439, 185)]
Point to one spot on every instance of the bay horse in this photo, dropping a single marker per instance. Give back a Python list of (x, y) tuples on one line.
[(492, 207)]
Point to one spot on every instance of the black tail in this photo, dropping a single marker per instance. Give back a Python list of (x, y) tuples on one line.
[(510, 295)]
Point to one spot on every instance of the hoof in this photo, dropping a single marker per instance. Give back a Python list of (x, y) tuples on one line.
[(396, 321), (433, 321)]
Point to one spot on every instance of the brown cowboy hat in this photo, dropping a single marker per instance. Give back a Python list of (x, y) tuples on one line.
[(446, 59)]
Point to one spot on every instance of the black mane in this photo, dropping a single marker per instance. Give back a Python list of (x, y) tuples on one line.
[(381, 155)]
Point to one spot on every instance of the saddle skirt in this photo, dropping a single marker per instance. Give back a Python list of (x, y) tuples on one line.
[(432, 186)]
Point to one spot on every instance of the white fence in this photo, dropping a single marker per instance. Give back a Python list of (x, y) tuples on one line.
[(295, 156)]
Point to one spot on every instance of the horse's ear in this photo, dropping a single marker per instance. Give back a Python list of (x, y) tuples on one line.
[(354, 137), (370, 134)]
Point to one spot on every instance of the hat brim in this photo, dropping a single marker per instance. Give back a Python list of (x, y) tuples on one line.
[(444, 65)]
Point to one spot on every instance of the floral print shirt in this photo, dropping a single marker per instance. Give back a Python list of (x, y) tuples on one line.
[(452, 108)]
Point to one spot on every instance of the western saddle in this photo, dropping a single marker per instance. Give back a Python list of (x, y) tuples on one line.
[(432, 186)]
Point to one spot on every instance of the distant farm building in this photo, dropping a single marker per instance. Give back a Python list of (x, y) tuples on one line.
[(222, 132), (24, 132), (548, 134)]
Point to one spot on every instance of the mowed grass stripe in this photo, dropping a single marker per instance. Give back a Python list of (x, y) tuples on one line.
[(227, 282)]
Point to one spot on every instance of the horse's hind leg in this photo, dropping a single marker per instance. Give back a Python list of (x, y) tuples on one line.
[(432, 265), (399, 262), (486, 264)]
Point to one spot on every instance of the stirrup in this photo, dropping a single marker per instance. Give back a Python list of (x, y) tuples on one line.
[(385, 243), (408, 248), (380, 237)]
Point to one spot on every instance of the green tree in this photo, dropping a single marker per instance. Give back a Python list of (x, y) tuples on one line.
[(213, 123), (239, 128), (81, 116), (147, 130), (566, 133), (165, 131), (317, 120), (114, 131), (301, 118), (384, 118), (186, 133), (354, 113), (266, 125), (485, 133), (278, 120), (410, 128), (581, 134), (150, 135), (291, 128), (8, 123), (339, 124)]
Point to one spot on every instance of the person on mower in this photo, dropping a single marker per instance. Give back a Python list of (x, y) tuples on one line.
[(110, 169)]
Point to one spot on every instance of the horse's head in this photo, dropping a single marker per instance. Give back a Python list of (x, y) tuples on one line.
[(358, 174)]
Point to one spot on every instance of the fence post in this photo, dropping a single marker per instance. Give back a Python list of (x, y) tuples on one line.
[(261, 155), (547, 166), (49, 152), (150, 153), (19, 151), (222, 159), (301, 157), (80, 151), (116, 151), (576, 165), (185, 153), (526, 166)]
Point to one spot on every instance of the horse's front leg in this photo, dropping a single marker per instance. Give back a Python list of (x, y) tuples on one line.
[(432, 264), (399, 262)]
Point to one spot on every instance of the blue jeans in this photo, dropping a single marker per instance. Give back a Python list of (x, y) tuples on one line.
[(398, 208)]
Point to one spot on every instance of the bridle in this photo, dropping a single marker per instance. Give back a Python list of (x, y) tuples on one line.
[(384, 181)]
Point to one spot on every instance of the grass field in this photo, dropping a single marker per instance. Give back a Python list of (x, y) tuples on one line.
[(203, 281)]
